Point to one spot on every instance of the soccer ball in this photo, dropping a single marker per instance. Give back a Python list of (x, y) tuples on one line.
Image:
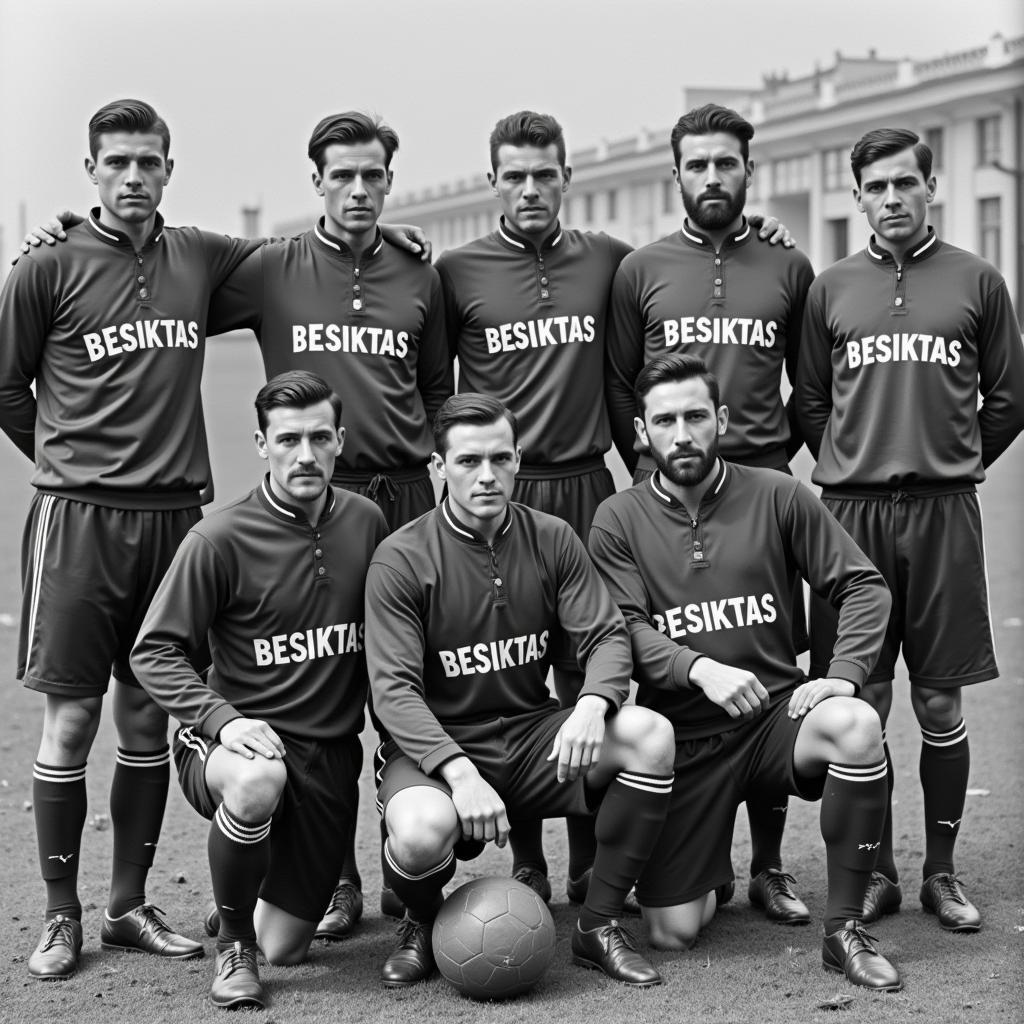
[(493, 938)]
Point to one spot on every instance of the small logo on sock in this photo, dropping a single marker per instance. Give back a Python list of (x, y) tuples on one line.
[(951, 824), (62, 857), (868, 846), (149, 844), (782, 810)]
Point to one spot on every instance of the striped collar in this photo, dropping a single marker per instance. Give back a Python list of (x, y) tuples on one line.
[(713, 492), (114, 237), (923, 251), (467, 533), (291, 513), (522, 244), (335, 244), (694, 237)]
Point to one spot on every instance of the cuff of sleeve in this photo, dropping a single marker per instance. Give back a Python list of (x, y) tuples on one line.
[(682, 662), (848, 670), (437, 757), (613, 692), (212, 724)]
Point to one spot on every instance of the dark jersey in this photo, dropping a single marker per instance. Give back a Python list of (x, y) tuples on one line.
[(114, 340), (372, 328), (719, 583), (739, 309), (280, 603), (459, 631), (894, 360), (528, 326)]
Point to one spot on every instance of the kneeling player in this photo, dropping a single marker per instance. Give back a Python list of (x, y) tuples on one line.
[(702, 558), (460, 609), (269, 746)]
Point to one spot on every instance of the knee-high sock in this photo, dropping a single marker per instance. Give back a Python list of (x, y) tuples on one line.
[(628, 824), (767, 817), (59, 804), (886, 862), (852, 807), (945, 765), (420, 893), (239, 854), (138, 796), (582, 843), (349, 867), (526, 839)]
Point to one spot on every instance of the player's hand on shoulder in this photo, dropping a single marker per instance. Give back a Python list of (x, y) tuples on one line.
[(771, 230), (408, 236), (577, 746), (814, 691), (738, 692), (251, 738), (50, 232), (481, 811)]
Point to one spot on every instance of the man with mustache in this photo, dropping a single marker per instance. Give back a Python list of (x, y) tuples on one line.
[(268, 747), (710, 288)]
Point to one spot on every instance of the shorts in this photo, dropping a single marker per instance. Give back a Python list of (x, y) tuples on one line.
[(572, 491), (314, 818), (511, 755), (929, 549), (713, 776), (88, 575), (402, 494)]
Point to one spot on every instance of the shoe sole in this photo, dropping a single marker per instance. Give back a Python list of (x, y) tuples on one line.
[(53, 977), (591, 966), (836, 969), (404, 984), (240, 1003), (197, 955)]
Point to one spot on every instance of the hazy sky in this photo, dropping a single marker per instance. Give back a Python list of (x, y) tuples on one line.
[(242, 82)]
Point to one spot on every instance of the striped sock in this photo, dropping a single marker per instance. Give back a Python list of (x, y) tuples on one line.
[(944, 767), (628, 823), (886, 863), (852, 808), (239, 853), (138, 795), (59, 803), (420, 893)]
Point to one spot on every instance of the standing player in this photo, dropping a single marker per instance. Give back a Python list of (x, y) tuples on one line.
[(701, 558), (526, 317), (461, 609), (269, 744), (710, 285), (900, 342), (111, 328)]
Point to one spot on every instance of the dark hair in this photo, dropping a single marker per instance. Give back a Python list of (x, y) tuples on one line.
[(527, 128), (350, 127), (712, 118), (127, 116), (295, 389), (470, 407), (674, 366), (885, 142)]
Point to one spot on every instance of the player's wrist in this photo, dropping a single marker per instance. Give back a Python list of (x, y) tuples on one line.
[(457, 770)]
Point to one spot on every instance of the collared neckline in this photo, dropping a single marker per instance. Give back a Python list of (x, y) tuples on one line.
[(921, 252), (698, 240), (521, 243), (337, 245), (467, 533), (114, 237), (712, 494), (291, 513)]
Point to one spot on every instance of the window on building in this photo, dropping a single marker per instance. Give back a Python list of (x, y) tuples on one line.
[(839, 238), (836, 169), (791, 175), (989, 139), (990, 229), (937, 218), (613, 203), (588, 208), (935, 140), (669, 196)]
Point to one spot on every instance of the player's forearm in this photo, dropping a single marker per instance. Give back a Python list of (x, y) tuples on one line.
[(658, 662), (18, 421), (1000, 420)]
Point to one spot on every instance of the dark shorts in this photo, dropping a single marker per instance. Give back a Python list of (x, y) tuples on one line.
[(931, 552), (572, 491), (511, 755), (401, 494), (88, 575), (312, 820), (713, 776)]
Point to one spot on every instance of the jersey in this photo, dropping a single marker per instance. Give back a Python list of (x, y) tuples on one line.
[(114, 340), (458, 630), (528, 327), (373, 328), (740, 309), (894, 360), (717, 582), (281, 605)]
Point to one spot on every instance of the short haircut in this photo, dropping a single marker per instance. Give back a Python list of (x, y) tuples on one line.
[(712, 118), (127, 116), (470, 408), (347, 129), (295, 389), (883, 142), (669, 368), (527, 128)]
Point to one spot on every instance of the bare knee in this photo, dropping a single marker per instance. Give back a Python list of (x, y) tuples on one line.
[(936, 710), (647, 740), (283, 937), (253, 788), (669, 937), (855, 730), (677, 928), (69, 728), (281, 953), (141, 722), (422, 829)]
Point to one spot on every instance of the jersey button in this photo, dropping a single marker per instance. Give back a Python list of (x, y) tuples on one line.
[(319, 552), (141, 279), (321, 571), (544, 294), (497, 581), (718, 280), (543, 280), (357, 304), (143, 293), (899, 301)]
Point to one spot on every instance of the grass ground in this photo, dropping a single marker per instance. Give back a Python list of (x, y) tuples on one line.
[(744, 969)]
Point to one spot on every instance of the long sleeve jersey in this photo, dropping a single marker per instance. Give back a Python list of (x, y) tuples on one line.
[(114, 340), (894, 360), (373, 328), (280, 603), (459, 630), (528, 327), (740, 309), (718, 582)]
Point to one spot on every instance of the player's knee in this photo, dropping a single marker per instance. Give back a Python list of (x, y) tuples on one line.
[(936, 710), (855, 730), (648, 738), (254, 787), (69, 727), (281, 951), (677, 933), (421, 833), (143, 726)]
